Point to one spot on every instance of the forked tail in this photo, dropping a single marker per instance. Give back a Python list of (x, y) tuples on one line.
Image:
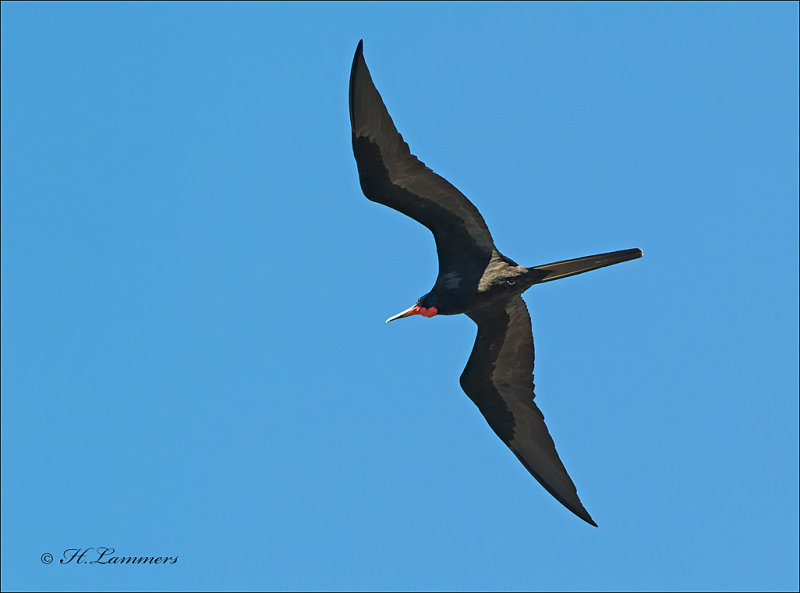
[(571, 267)]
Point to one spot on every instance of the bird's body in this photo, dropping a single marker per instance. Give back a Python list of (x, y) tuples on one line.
[(475, 279)]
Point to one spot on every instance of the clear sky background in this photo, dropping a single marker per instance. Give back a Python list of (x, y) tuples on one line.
[(194, 359)]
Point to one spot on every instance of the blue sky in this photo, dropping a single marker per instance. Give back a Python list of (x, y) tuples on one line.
[(194, 359)]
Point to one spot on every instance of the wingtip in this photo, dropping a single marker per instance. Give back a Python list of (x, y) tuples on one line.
[(358, 62), (358, 58), (581, 513), (359, 54), (571, 502)]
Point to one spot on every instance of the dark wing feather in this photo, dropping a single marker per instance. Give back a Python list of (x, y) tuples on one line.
[(499, 379), (392, 176)]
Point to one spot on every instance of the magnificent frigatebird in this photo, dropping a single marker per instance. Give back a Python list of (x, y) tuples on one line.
[(474, 278)]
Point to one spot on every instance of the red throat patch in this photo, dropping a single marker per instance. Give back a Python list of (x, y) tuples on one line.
[(428, 312)]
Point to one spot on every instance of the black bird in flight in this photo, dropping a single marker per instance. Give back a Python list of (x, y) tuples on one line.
[(474, 278)]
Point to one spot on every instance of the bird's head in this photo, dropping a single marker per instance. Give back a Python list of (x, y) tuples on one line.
[(422, 307)]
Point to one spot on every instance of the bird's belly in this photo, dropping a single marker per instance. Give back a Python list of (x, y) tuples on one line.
[(455, 303)]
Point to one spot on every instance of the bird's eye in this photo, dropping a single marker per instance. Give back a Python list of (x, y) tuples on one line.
[(511, 282)]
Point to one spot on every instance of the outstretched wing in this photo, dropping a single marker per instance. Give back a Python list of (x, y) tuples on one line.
[(392, 176), (499, 379)]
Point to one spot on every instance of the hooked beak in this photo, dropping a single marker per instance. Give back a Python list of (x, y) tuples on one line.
[(416, 310), (410, 311)]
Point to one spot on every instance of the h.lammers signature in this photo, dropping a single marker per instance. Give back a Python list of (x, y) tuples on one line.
[(103, 555)]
